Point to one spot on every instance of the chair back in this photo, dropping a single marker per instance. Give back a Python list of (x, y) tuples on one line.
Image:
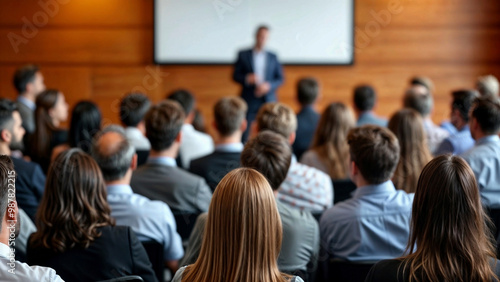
[(346, 271), (155, 254), (342, 189), (142, 156)]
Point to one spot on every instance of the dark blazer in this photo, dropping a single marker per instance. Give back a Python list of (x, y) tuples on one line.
[(116, 253), (273, 75), (30, 184), (215, 166), (28, 117), (307, 121), (182, 191)]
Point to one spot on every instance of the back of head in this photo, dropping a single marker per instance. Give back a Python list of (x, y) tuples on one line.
[(364, 98), (488, 85), (73, 205), (270, 154), (448, 225), (375, 151), (419, 99), (7, 174), (462, 101), (278, 118), (7, 109), (112, 152), (242, 237), (229, 114), (486, 111), (184, 98), (133, 108), (23, 76), (307, 91), (163, 124), (40, 146), (422, 81), (85, 123)]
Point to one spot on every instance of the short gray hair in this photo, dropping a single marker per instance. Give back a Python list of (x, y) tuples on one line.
[(421, 102), (114, 165)]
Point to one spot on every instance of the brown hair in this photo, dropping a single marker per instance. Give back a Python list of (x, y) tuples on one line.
[(270, 154), (243, 233), (408, 127), (486, 111), (40, 143), (277, 117), (375, 151), (163, 123), (330, 139), (449, 226), (74, 204), (229, 113)]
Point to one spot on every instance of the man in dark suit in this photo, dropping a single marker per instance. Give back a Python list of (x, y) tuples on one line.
[(160, 178), (259, 73), (30, 180), (230, 123), (307, 117)]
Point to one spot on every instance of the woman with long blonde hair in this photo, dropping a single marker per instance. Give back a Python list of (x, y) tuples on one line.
[(450, 239), (243, 233), (329, 151), (408, 126)]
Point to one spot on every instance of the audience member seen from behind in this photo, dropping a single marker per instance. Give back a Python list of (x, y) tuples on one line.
[(76, 235), (449, 227), (365, 99), (307, 117), (11, 269), (239, 243), (358, 229), (329, 151), (229, 123), (488, 86), (51, 111), (408, 127), (133, 108)]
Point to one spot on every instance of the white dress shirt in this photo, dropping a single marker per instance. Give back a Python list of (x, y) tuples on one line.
[(138, 140), (194, 144), (259, 66)]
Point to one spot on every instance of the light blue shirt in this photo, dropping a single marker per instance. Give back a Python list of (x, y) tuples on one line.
[(458, 143), (259, 65), (373, 225), (484, 159), (28, 103), (167, 161), (150, 220), (230, 148), (370, 118)]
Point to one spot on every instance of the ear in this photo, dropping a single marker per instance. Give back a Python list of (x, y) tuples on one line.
[(133, 164), (353, 170), (254, 130), (178, 139), (190, 117), (291, 138), (244, 125), (5, 136)]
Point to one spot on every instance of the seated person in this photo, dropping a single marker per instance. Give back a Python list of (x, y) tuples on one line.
[(133, 108), (75, 233), (365, 99), (373, 224)]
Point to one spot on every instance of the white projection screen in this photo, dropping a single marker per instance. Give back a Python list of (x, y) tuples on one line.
[(303, 32)]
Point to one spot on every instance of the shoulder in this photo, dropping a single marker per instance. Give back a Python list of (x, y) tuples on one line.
[(23, 166), (386, 270), (296, 218), (25, 272), (306, 170)]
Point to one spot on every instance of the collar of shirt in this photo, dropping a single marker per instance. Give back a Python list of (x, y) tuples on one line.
[(188, 127), (488, 139), (26, 102), (166, 161), (382, 188), (133, 131), (230, 148), (4, 250), (119, 189)]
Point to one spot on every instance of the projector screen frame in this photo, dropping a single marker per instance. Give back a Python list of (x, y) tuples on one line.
[(216, 63)]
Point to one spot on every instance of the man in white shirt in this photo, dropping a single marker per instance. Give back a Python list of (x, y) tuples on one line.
[(10, 269), (194, 144), (133, 108)]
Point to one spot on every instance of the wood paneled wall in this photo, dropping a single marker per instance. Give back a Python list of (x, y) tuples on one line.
[(101, 49)]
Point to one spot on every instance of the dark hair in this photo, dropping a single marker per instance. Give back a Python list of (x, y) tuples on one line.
[(270, 154), (85, 123), (74, 204), (261, 27), (486, 111), (422, 81), (420, 102), (375, 151), (199, 121), (133, 108), (462, 101), (23, 76), (450, 239), (41, 139), (229, 113), (307, 91), (163, 123), (364, 98), (184, 98), (7, 176), (7, 109)]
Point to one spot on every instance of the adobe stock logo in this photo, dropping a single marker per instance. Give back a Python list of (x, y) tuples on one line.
[(49, 9)]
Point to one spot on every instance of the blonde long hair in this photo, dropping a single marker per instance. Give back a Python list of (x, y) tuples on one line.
[(243, 234)]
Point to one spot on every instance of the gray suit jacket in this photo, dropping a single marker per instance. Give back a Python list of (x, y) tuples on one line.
[(28, 117), (182, 191)]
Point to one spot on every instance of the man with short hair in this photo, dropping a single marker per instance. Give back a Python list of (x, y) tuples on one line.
[(160, 178), (150, 220), (229, 123), (488, 85), (10, 268), (375, 223), (420, 99), (461, 141), (28, 81), (307, 117), (194, 144), (364, 102), (133, 108), (484, 157), (305, 188)]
